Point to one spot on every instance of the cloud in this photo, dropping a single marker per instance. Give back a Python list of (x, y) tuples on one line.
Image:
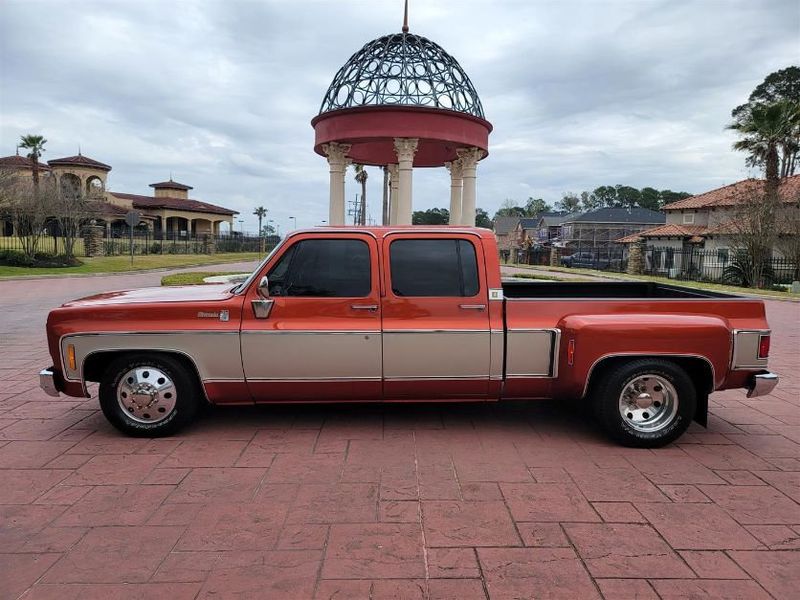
[(221, 94)]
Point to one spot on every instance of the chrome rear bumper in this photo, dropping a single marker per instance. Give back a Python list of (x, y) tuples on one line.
[(762, 384), (47, 381)]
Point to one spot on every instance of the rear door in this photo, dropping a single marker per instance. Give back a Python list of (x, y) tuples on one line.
[(322, 338), (436, 337)]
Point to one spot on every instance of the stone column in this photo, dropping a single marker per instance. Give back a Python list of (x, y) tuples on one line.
[(93, 241), (393, 182), (337, 162), (456, 186), (555, 256), (469, 164), (636, 255), (406, 148)]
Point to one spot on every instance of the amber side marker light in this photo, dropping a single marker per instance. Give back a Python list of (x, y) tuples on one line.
[(571, 352), (763, 346), (71, 363)]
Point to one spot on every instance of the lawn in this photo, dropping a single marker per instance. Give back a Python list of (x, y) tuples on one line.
[(192, 277), (121, 264), (700, 285)]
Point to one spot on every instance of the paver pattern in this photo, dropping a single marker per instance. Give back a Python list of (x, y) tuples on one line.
[(466, 501)]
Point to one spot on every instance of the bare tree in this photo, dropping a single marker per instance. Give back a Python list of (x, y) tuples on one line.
[(28, 209), (753, 232), (788, 241), (73, 208)]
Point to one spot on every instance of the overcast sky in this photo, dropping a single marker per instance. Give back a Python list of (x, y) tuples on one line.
[(221, 93)]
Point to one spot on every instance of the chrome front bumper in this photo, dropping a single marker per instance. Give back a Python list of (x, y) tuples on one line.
[(47, 381), (762, 384)]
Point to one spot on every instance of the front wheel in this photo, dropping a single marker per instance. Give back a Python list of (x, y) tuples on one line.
[(146, 396), (645, 403)]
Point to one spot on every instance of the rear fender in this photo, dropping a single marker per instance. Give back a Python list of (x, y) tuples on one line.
[(597, 338)]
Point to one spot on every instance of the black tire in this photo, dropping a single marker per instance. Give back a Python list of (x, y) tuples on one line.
[(187, 396), (638, 428)]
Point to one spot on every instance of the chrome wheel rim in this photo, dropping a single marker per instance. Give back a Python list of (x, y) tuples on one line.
[(648, 403), (146, 394)]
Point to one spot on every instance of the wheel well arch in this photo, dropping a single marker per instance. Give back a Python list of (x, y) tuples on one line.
[(96, 363), (699, 369)]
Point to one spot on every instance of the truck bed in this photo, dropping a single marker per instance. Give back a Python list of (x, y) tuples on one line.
[(602, 289)]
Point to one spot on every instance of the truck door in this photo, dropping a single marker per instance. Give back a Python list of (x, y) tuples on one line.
[(436, 337), (322, 337)]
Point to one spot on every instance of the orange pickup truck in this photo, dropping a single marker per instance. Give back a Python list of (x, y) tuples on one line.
[(408, 314)]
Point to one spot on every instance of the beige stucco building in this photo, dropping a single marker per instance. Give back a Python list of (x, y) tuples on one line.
[(168, 213)]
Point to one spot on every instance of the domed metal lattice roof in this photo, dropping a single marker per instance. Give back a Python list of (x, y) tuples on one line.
[(402, 69)]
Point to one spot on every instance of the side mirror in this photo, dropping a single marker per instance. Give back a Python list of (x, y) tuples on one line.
[(263, 287), (262, 306)]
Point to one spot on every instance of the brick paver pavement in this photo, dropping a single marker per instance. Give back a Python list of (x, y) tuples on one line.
[(436, 501)]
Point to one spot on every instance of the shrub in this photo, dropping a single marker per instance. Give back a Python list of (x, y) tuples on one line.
[(740, 271)]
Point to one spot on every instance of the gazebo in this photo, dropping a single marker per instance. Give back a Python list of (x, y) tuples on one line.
[(401, 102)]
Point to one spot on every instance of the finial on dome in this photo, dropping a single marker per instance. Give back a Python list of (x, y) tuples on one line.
[(17, 150), (405, 18), (79, 150)]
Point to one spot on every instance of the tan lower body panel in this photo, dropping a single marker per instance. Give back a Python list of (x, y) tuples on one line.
[(436, 354), (214, 353), (311, 356), (529, 353)]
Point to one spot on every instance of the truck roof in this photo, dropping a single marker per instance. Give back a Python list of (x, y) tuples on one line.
[(383, 231)]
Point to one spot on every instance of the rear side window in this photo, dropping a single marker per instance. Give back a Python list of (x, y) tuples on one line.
[(433, 268), (323, 269)]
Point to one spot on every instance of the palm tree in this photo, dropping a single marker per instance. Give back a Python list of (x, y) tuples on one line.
[(260, 212), (764, 130), (361, 177), (35, 145)]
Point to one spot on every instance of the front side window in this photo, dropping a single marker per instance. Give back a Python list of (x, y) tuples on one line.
[(323, 269), (433, 268)]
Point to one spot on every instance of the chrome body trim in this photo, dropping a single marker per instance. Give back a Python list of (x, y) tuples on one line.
[(648, 355), (47, 382), (762, 384), (311, 379), (310, 332), (437, 331), (262, 307), (627, 300), (436, 378)]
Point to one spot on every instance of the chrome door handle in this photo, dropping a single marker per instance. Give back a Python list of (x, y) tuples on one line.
[(370, 307), (472, 306)]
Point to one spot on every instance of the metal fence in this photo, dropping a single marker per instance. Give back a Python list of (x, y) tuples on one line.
[(692, 264), (716, 266), (145, 242)]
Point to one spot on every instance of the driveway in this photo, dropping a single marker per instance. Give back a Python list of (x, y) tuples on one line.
[(435, 501)]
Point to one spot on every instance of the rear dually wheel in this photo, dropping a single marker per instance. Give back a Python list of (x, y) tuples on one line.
[(645, 403)]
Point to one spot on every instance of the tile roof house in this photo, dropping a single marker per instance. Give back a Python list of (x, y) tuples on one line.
[(710, 218), (169, 212)]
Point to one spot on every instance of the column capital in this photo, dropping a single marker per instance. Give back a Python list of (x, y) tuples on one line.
[(469, 157), (393, 171), (336, 153), (405, 148), (456, 168)]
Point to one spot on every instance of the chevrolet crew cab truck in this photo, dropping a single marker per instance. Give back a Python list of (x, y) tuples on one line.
[(408, 314)]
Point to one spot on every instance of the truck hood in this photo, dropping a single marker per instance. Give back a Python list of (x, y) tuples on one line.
[(184, 293)]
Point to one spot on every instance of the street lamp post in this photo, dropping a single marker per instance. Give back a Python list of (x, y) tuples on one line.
[(241, 226), (295, 222)]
